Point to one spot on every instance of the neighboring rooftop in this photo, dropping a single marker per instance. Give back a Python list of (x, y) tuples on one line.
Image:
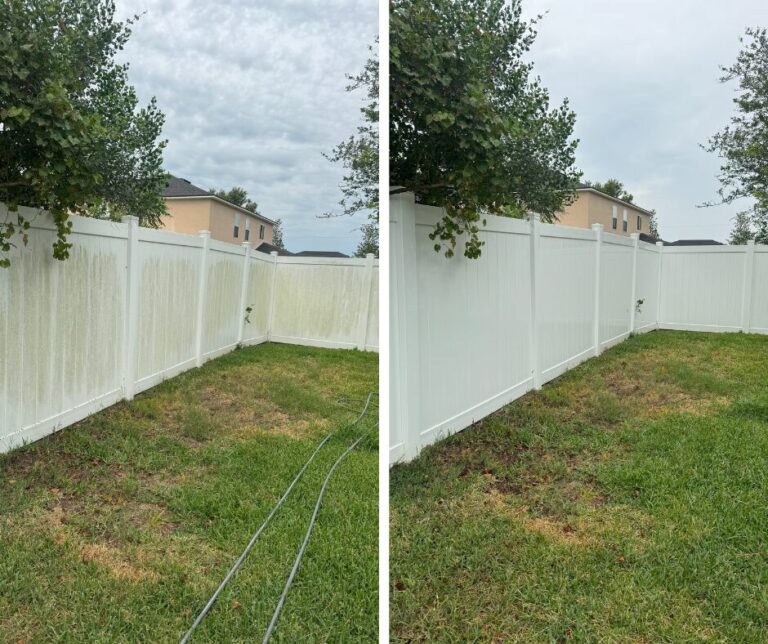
[(320, 253), (178, 187), (266, 247), (694, 242)]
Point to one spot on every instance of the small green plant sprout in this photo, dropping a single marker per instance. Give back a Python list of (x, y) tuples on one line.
[(248, 310), (639, 306)]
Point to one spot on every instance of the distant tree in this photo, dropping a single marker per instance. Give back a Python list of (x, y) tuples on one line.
[(612, 187), (370, 240), (72, 139), (654, 228), (743, 145), (237, 196), (742, 230), (277, 234), (359, 154), (470, 130)]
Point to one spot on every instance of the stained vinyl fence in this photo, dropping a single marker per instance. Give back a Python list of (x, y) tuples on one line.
[(133, 306), (469, 336)]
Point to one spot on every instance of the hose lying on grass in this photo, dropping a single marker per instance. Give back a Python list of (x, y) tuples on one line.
[(272, 512)]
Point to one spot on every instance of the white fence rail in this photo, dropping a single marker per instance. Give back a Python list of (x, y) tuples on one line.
[(469, 336), (134, 306)]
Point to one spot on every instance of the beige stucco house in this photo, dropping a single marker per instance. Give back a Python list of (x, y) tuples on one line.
[(192, 209), (594, 207)]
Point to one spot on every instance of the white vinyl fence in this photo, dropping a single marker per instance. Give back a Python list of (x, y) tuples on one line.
[(134, 306), (469, 336)]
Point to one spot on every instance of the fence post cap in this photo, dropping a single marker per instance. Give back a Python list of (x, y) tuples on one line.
[(635, 236), (750, 242), (659, 243), (597, 227), (369, 256), (246, 244), (204, 233), (131, 219), (273, 253)]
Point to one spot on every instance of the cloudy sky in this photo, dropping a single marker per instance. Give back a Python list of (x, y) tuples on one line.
[(253, 93), (642, 78)]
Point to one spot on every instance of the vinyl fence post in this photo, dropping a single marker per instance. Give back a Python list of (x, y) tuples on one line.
[(271, 323), (660, 246), (598, 228), (243, 291), (747, 287), (131, 309), (404, 372), (205, 235), (534, 321), (365, 310), (633, 300)]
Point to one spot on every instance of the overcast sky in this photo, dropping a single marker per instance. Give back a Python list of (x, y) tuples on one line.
[(253, 93), (642, 78)]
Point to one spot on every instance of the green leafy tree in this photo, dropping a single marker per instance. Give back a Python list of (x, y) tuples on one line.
[(72, 139), (742, 230), (370, 240), (277, 234), (743, 144), (237, 196), (654, 227), (470, 129), (359, 154), (612, 187)]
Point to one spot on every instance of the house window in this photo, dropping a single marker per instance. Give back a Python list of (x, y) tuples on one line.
[(261, 231), (237, 225), (624, 222), (614, 217), (639, 222), (247, 228)]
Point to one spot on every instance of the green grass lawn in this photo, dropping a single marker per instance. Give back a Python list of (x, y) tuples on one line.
[(626, 501), (121, 527)]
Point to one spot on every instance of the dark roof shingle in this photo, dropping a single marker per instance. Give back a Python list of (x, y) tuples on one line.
[(177, 187)]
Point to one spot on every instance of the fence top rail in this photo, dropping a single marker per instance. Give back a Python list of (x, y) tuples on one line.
[(567, 232), (225, 247), (325, 261), (43, 220), (674, 250), (154, 236)]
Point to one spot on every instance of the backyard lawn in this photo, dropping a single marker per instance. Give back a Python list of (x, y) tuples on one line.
[(625, 501), (121, 527)]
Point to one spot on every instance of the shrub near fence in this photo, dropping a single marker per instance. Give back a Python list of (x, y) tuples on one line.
[(469, 336), (134, 306)]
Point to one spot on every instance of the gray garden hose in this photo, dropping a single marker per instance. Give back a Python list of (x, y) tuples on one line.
[(258, 532), (300, 554)]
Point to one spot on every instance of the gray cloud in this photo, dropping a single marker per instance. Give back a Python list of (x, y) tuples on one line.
[(254, 93), (642, 78)]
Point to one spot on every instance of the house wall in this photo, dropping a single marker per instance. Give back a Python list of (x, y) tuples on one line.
[(601, 210), (591, 208), (191, 215), (223, 225), (188, 216)]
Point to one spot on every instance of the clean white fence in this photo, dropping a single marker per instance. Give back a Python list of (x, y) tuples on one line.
[(469, 336), (134, 306)]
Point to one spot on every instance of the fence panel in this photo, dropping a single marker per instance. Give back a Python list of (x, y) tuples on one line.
[(565, 298), (61, 329), (702, 288), (647, 286), (222, 316), (758, 316), (615, 289), (169, 272)]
